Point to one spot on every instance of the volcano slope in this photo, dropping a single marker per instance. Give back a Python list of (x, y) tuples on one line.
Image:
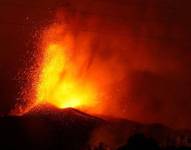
[(47, 127)]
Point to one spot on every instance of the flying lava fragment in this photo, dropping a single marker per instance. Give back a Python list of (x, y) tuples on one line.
[(70, 71)]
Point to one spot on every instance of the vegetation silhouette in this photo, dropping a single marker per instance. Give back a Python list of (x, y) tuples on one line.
[(140, 142)]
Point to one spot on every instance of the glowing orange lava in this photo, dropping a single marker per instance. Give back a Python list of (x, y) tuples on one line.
[(62, 81), (72, 69)]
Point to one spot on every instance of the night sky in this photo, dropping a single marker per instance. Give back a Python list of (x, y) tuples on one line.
[(152, 38)]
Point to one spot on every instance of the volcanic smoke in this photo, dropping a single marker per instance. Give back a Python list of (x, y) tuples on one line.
[(105, 67)]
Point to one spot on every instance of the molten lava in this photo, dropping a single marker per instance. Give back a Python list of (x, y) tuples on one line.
[(72, 69), (63, 81)]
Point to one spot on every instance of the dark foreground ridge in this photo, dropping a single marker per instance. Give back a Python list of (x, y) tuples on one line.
[(49, 128)]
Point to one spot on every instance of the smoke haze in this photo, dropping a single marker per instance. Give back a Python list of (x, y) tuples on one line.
[(142, 48)]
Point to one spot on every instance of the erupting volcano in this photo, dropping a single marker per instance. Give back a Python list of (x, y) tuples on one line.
[(64, 77), (95, 74), (67, 74)]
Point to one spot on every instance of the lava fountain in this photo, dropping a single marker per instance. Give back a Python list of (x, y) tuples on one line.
[(64, 77), (70, 71)]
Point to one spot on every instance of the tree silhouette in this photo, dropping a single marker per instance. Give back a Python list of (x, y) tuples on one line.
[(140, 142)]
